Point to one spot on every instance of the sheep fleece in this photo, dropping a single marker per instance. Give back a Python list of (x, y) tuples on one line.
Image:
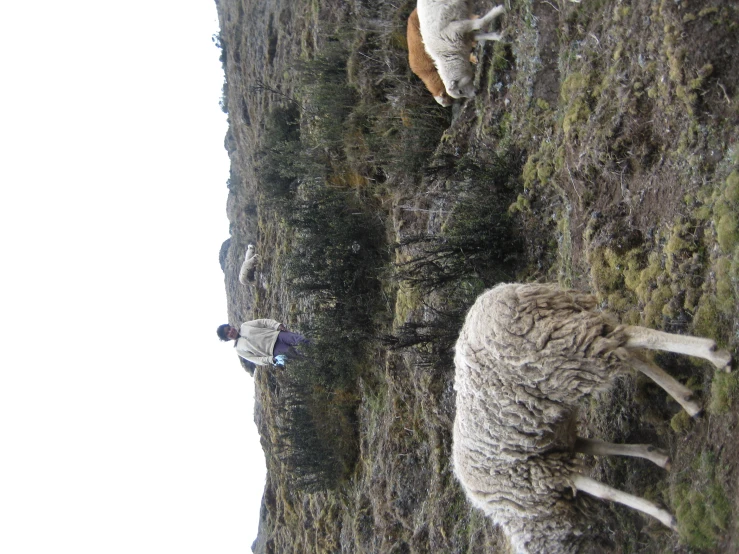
[(525, 357), (246, 273)]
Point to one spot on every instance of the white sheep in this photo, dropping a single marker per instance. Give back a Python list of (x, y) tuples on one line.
[(525, 358), (248, 268), (448, 31)]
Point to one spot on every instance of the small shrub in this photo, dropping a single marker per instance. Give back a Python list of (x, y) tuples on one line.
[(404, 133), (724, 389), (681, 422), (316, 436), (282, 164), (731, 192), (702, 508), (480, 243), (706, 321), (726, 232), (328, 99)]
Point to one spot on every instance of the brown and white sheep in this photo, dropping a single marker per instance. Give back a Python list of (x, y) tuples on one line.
[(448, 30), (422, 64)]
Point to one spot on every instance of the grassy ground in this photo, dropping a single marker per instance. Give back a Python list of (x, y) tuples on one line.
[(604, 140)]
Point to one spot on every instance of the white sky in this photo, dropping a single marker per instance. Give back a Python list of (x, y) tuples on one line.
[(125, 425)]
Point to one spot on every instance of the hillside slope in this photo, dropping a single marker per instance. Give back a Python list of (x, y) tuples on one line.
[(600, 152)]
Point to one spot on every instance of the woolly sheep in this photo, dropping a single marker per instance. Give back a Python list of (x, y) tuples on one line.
[(421, 63), (249, 266), (526, 356), (448, 31)]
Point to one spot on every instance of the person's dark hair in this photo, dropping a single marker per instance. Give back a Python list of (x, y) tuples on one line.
[(222, 330)]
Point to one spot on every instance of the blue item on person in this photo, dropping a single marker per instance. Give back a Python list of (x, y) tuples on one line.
[(280, 360)]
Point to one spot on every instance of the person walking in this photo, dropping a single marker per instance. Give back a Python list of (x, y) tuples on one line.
[(263, 341)]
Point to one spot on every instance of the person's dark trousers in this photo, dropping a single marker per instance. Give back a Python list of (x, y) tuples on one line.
[(286, 343)]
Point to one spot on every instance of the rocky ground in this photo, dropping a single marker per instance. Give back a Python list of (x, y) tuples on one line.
[(616, 123)]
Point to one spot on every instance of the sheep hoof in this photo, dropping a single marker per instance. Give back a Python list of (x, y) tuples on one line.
[(722, 360), (659, 456)]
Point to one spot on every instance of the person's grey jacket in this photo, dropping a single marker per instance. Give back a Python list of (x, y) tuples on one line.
[(257, 341)]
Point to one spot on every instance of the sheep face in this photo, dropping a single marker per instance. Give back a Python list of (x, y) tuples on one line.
[(462, 87), (458, 76)]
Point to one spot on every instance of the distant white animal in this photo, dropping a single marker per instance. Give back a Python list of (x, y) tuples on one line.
[(248, 268), (448, 31), (526, 357)]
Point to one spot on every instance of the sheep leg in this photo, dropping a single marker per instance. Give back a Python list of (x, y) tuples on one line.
[(488, 36), (641, 337), (462, 28), (604, 492), (489, 17), (596, 447), (466, 26), (682, 394)]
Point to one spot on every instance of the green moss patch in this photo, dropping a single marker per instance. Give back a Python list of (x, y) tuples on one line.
[(702, 508)]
